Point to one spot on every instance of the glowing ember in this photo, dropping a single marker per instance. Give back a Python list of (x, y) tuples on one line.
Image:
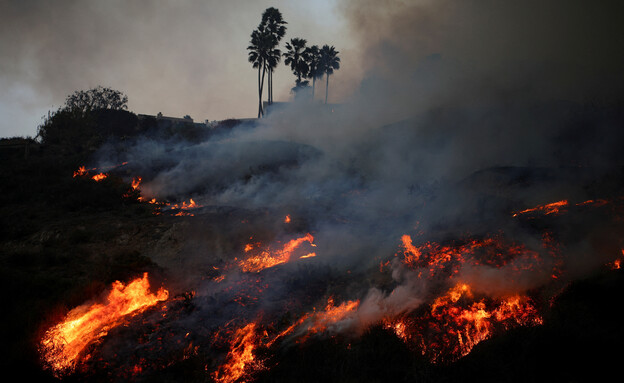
[(240, 360), (267, 258), (99, 177), (287, 219), (551, 208), (399, 327), (62, 345), (616, 264)]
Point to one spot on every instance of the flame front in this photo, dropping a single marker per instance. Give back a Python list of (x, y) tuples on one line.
[(62, 345)]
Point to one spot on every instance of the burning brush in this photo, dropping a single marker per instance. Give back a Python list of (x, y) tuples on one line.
[(439, 303)]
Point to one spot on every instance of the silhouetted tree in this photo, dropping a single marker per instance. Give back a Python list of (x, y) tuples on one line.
[(329, 62), (87, 119), (84, 101), (313, 56), (273, 24), (259, 53), (295, 57)]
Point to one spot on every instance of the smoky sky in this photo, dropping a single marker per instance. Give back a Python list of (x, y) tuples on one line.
[(178, 58), (189, 57)]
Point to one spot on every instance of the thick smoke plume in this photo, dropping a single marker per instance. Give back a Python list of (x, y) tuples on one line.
[(468, 111)]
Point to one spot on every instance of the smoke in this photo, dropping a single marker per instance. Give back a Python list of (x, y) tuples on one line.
[(468, 111)]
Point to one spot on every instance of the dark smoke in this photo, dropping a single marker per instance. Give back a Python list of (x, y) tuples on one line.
[(468, 111)]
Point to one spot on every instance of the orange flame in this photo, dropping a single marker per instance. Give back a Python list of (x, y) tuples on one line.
[(62, 345), (80, 172), (461, 322), (99, 177), (136, 181), (240, 360), (322, 320), (287, 219), (412, 254), (267, 259), (616, 264), (551, 208)]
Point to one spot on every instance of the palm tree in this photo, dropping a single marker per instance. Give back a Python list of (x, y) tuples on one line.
[(273, 23), (259, 48), (329, 62), (274, 56), (295, 57), (313, 55)]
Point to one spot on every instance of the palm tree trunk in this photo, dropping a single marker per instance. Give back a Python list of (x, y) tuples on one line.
[(326, 86), (313, 84), (269, 86), (259, 95), (260, 86)]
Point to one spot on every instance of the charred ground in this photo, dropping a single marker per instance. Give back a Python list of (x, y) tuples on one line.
[(66, 239)]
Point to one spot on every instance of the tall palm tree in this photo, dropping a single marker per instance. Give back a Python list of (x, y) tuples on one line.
[(295, 57), (259, 48), (274, 55), (313, 55), (329, 62), (273, 23)]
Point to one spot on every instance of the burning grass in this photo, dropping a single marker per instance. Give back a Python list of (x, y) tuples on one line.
[(263, 316), (64, 345)]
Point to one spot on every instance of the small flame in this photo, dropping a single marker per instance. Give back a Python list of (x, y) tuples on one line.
[(266, 258), (80, 172), (616, 264), (99, 177), (412, 254), (136, 181), (551, 208), (332, 314)]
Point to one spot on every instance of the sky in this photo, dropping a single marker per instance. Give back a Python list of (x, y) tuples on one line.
[(174, 57), (189, 57)]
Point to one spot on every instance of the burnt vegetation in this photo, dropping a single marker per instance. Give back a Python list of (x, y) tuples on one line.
[(65, 239)]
